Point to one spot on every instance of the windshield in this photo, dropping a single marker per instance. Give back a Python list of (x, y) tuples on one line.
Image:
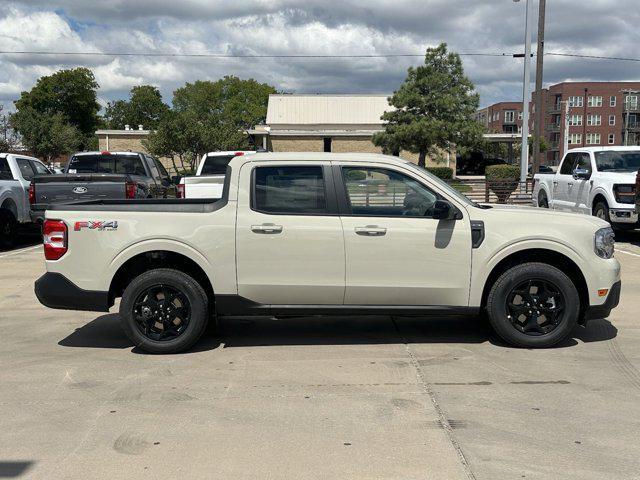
[(444, 185), (121, 164), (216, 165), (618, 161)]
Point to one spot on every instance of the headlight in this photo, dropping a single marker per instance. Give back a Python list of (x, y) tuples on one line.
[(604, 242)]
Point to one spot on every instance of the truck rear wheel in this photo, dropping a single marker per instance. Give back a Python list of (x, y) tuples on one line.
[(8, 228), (533, 305), (164, 311)]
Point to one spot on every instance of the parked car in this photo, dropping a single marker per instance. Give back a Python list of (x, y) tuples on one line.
[(598, 181), (209, 179), (16, 172), (102, 175), (297, 234)]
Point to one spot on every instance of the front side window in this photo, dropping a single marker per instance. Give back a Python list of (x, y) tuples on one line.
[(25, 168), (40, 169), (380, 192), (5, 170), (296, 190), (584, 162)]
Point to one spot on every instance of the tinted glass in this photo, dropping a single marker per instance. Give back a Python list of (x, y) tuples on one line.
[(160, 167), (25, 168), (296, 190), (567, 164), (5, 171), (130, 165), (619, 161), (216, 165), (40, 168), (382, 192), (584, 162), (92, 164)]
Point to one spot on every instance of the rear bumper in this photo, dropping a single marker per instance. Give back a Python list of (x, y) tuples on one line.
[(54, 290), (595, 312)]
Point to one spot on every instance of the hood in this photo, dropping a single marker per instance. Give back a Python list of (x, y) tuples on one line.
[(621, 177), (539, 216)]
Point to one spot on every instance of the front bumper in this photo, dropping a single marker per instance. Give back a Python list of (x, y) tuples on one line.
[(623, 215), (595, 312), (54, 290)]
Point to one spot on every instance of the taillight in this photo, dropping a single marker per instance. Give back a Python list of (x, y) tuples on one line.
[(54, 238), (130, 190), (180, 190), (239, 154), (32, 193)]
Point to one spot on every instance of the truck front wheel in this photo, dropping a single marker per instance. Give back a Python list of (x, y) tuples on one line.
[(533, 305), (164, 311), (601, 210)]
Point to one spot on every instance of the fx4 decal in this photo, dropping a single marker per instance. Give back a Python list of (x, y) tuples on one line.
[(96, 225)]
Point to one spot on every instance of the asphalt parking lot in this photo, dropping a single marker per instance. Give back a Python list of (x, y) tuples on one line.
[(352, 398)]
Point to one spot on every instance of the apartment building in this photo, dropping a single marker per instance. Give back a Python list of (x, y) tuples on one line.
[(502, 117), (600, 113)]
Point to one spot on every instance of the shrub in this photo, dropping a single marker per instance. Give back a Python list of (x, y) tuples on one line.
[(445, 173), (503, 180)]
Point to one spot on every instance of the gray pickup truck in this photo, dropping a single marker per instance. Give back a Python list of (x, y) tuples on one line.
[(101, 176)]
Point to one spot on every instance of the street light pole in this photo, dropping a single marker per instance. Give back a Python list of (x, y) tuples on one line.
[(526, 94)]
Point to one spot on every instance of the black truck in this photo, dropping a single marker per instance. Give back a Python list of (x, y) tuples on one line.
[(101, 176)]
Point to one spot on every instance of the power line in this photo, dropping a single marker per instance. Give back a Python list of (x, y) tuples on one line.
[(301, 56)]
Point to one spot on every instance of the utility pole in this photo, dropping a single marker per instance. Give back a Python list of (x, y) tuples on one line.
[(565, 146), (539, 114), (526, 96)]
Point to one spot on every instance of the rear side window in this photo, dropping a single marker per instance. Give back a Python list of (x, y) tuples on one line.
[(216, 165), (5, 171), (130, 165), (567, 165), (290, 190), (25, 168)]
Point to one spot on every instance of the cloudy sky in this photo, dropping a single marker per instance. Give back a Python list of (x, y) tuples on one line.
[(299, 27)]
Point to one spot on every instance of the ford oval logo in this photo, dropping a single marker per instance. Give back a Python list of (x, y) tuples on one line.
[(80, 190)]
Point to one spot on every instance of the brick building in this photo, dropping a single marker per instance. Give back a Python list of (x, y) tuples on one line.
[(502, 117), (600, 113), (329, 123)]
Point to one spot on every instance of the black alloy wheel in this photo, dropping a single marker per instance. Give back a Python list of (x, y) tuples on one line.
[(162, 312), (535, 307)]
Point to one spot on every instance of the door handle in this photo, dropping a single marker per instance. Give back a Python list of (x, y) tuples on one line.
[(266, 228), (555, 184), (570, 184), (371, 231)]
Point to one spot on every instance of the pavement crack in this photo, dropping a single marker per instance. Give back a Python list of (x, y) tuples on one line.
[(442, 418)]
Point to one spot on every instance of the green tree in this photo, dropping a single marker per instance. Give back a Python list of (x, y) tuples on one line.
[(144, 107), (433, 108), (209, 116), (48, 136), (70, 95)]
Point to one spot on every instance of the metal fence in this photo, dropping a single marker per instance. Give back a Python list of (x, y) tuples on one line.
[(495, 191)]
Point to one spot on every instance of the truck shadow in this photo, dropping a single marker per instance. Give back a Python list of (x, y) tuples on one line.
[(105, 332), (632, 237)]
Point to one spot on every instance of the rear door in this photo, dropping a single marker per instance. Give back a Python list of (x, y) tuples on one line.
[(290, 247), (396, 253), (563, 181)]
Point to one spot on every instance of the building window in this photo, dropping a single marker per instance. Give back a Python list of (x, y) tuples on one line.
[(613, 100), (631, 102), (593, 139), (595, 101), (520, 115), (327, 144), (509, 116), (575, 120), (612, 138), (575, 139), (612, 120), (594, 120), (576, 101)]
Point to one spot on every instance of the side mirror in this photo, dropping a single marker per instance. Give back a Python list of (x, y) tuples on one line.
[(176, 179), (581, 174), (443, 210)]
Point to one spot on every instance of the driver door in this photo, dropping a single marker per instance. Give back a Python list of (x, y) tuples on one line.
[(580, 188), (396, 253)]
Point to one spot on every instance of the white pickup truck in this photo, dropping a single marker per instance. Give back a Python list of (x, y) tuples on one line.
[(210, 175), (298, 234), (16, 172), (598, 181)]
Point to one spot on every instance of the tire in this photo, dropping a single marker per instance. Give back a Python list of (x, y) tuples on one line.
[(543, 202), (601, 210), (514, 324), (8, 228), (188, 304)]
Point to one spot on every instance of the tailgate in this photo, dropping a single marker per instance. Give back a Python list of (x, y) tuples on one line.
[(204, 186), (51, 189)]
